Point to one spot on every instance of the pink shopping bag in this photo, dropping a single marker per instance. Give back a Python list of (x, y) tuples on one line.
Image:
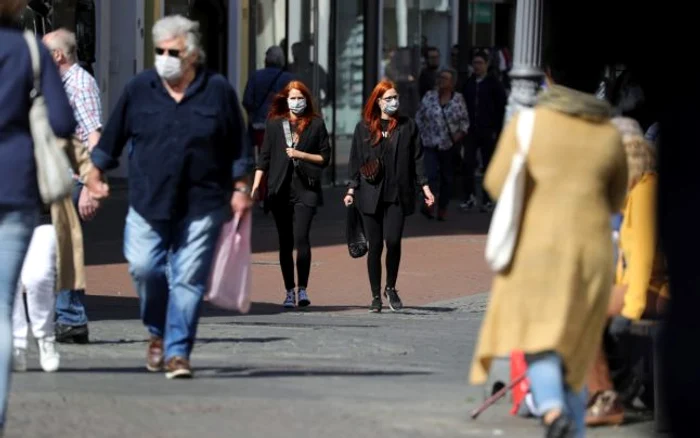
[(230, 280)]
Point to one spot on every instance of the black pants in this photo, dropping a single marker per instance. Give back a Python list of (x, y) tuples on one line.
[(293, 227), (386, 225), (478, 141), (438, 166)]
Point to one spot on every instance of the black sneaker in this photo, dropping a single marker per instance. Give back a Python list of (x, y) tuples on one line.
[(69, 334), (376, 306), (394, 301)]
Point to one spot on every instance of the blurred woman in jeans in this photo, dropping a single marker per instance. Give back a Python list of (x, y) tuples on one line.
[(19, 193), (443, 122), (551, 301)]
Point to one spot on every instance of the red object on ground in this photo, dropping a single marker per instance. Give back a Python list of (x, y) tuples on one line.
[(518, 368)]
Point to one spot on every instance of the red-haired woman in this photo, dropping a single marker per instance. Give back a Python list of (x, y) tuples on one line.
[(386, 164), (294, 153)]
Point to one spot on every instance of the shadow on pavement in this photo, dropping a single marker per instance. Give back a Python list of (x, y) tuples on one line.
[(104, 235), (106, 308), (248, 372), (199, 341)]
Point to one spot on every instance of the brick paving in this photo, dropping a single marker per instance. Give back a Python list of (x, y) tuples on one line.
[(441, 260)]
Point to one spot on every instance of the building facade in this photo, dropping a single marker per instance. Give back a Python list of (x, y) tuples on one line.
[(338, 48)]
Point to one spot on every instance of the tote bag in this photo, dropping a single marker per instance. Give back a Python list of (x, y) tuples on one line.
[(505, 223), (53, 170), (355, 233), (230, 281)]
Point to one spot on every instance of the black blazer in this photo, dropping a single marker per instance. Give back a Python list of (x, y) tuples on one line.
[(273, 159), (408, 156)]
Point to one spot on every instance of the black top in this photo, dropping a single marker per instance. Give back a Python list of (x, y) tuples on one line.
[(404, 159), (385, 150), (285, 181), (183, 157)]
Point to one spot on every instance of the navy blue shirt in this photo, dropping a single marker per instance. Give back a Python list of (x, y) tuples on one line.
[(18, 186), (183, 157), (262, 85)]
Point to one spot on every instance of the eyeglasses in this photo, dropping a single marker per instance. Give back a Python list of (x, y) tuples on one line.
[(175, 53), (390, 98)]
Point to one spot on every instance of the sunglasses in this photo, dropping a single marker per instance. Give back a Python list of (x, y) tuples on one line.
[(390, 98), (175, 53)]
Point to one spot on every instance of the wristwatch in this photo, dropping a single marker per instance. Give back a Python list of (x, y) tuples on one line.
[(244, 189)]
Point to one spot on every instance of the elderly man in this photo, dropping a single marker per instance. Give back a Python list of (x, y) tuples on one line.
[(189, 166), (262, 85), (84, 96)]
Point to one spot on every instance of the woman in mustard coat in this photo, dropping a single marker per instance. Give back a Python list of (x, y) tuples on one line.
[(551, 302)]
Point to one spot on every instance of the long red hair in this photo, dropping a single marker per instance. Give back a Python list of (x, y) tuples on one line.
[(372, 114), (279, 108)]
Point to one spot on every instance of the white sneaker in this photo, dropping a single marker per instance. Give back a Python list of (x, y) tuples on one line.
[(19, 360), (291, 301), (48, 355), (303, 298)]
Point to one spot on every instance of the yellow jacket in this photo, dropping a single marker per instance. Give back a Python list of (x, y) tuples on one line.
[(641, 266)]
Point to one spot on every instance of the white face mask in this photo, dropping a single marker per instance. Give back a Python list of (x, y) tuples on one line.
[(391, 107), (296, 106), (169, 67)]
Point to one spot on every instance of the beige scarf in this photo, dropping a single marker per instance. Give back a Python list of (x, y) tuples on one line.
[(575, 103)]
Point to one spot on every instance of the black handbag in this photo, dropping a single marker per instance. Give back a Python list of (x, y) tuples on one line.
[(355, 233)]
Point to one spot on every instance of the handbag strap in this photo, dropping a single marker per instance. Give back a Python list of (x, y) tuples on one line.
[(526, 124), (36, 63), (288, 134)]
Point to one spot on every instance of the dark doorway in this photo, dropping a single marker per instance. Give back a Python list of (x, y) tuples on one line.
[(212, 16)]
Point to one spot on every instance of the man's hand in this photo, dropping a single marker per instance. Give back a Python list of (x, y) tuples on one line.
[(97, 188), (293, 153), (87, 206), (241, 203)]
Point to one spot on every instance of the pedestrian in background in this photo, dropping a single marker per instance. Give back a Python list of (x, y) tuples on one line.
[(189, 153), (294, 153), (386, 166), (443, 123), (19, 193)]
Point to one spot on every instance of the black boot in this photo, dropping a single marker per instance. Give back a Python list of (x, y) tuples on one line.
[(376, 306)]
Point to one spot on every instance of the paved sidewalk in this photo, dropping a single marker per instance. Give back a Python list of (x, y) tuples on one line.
[(293, 375), (440, 260)]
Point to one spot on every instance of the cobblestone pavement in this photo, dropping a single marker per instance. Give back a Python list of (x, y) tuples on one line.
[(294, 374), (331, 371)]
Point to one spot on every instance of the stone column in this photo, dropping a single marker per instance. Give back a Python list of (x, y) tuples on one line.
[(526, 75)]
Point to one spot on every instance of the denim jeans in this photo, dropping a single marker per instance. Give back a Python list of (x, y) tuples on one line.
[(69, 303), (170, 262), (16, 228), (440, 173), (546, 374)]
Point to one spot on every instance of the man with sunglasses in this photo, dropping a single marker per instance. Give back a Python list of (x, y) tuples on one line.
[(189, 166)]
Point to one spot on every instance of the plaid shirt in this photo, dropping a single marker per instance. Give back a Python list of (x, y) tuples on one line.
[(84, 96)]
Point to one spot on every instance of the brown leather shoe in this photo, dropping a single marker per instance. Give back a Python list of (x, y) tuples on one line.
[(178, 368), (154, 355), (605, 409)]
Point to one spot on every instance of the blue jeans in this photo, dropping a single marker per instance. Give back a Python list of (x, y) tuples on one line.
[(546, 374), (69, 303), (16, 228), (170, 262), (440, 172)]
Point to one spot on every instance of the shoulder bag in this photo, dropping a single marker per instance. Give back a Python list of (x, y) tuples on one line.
[(505, 223), (372, 170), (53, 170)]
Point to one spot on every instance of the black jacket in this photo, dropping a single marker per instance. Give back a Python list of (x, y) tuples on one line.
[(407, 156), (486, 104), (273, 159)]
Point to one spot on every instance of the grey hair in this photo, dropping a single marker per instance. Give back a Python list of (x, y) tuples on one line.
[(65, 41), (452, 73), (174, 26), (274, 57)]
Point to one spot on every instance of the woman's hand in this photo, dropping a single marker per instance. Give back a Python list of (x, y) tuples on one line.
[(254, 193), (349, 198), (293, 153), (429, 197)]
